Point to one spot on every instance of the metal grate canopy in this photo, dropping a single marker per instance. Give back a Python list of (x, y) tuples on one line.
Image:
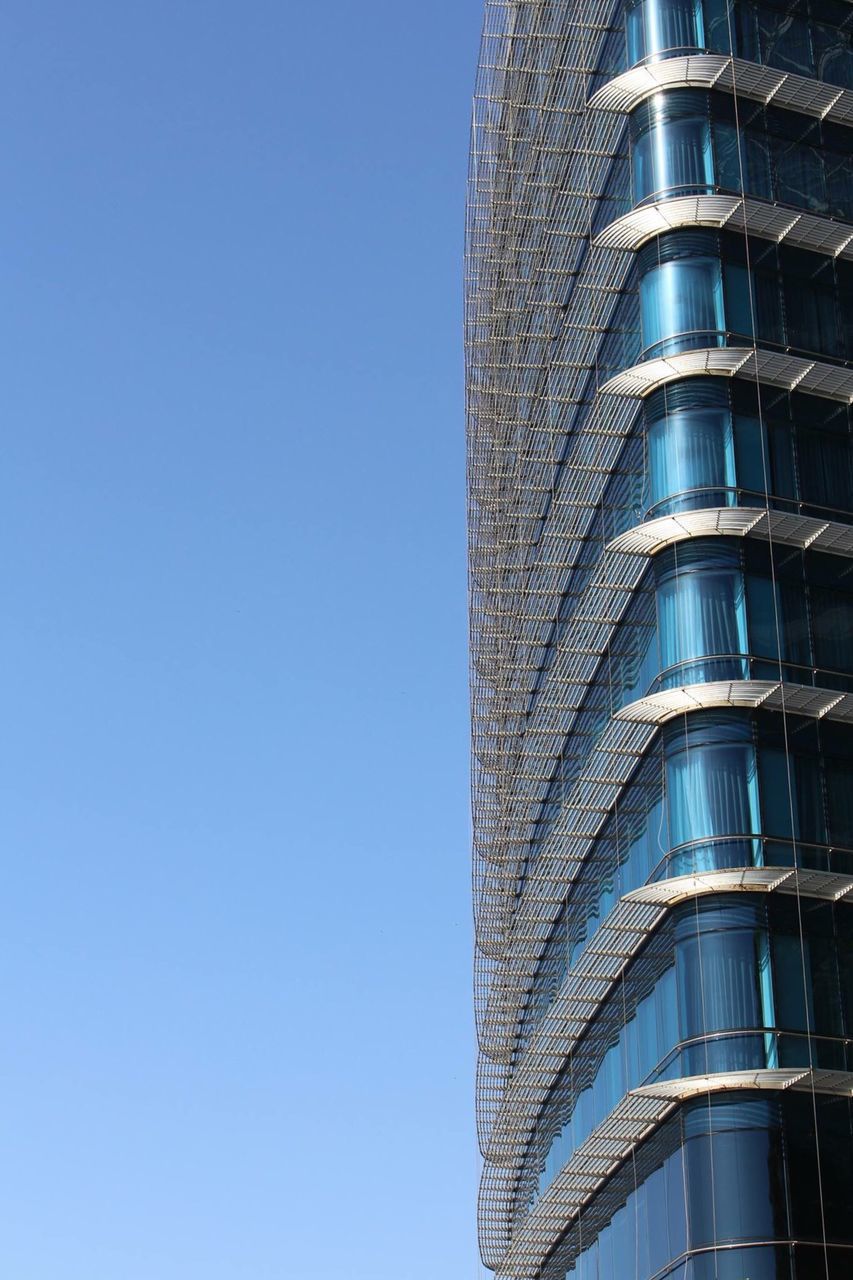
[(790, 373), (716, 71), (756, 217), (788, 528)]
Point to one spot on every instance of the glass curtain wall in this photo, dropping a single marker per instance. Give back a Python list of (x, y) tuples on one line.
[(727, 984), (685, 142), (747, 1184), (811, 38)]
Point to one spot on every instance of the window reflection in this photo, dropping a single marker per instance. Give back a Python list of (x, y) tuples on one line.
[(721, 789), (723, 1191), (718, 967), (681, 306), (798, 37), (704, 288), (714, 445)]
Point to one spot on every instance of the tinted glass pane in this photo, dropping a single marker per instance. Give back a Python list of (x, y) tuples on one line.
[(800, 176), (840, 801), (812, 318), (785, 40), (672, 157), (691, 451), (836, 1159), (663, 26), (718, 988), (832, 619), (826, 468), (712, 792), (681, 297), (793, 1009), (700, 614)]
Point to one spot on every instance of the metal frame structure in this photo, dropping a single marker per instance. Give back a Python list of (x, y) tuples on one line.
[(551, 407)]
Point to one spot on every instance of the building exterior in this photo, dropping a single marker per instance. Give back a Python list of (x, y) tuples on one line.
[(659, 328)]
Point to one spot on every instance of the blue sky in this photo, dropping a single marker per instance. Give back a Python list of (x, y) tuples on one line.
[(235, 930)]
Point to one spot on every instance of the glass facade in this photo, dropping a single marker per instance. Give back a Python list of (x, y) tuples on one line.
[(662, 634), (705, 288), (725, 1191)]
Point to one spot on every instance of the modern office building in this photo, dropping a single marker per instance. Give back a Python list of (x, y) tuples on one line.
[(659, 332)]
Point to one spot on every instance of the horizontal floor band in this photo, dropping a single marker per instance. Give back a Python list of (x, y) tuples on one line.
[(777, 369), (757, 217), (789, 528), (735, 75)]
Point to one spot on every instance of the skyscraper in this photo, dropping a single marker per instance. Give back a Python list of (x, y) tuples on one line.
[(659, 330)]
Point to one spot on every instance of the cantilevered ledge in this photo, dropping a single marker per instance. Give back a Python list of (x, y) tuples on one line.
[(777, 369), (756, 217), (770, 695), (788, 528), (733, 75)]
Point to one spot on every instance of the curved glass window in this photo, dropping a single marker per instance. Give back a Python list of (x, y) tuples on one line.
[(711, 444), (702, 611), (719, 789), (672, 156), (807, 37), (713, 792), (729, 611), (704, 288), (713, 609), (691, 451), (689, 141), (681, 306), (721, 1192), (662, 27), (734, 776), (720, 987)]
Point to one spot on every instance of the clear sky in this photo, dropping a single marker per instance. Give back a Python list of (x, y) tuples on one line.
[(235, 937)]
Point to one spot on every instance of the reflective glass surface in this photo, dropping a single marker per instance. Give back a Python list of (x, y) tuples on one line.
[(725, 1190), (686, 142), (807, 37), (716, 444), (733, 610), (703, 288), (719, 789), (716, 968)]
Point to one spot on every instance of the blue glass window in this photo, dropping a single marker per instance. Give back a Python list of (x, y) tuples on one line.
[(673, 158), (701, 611), (692, 450), (655, 27), (801, 300), (826, 469), (808, 40), (730, 1194), (681, 298), (689, 140), (777, 612), (704, 450), (712, 791), (719, 966), (784, 40), (717, 981), (734, 1172)]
